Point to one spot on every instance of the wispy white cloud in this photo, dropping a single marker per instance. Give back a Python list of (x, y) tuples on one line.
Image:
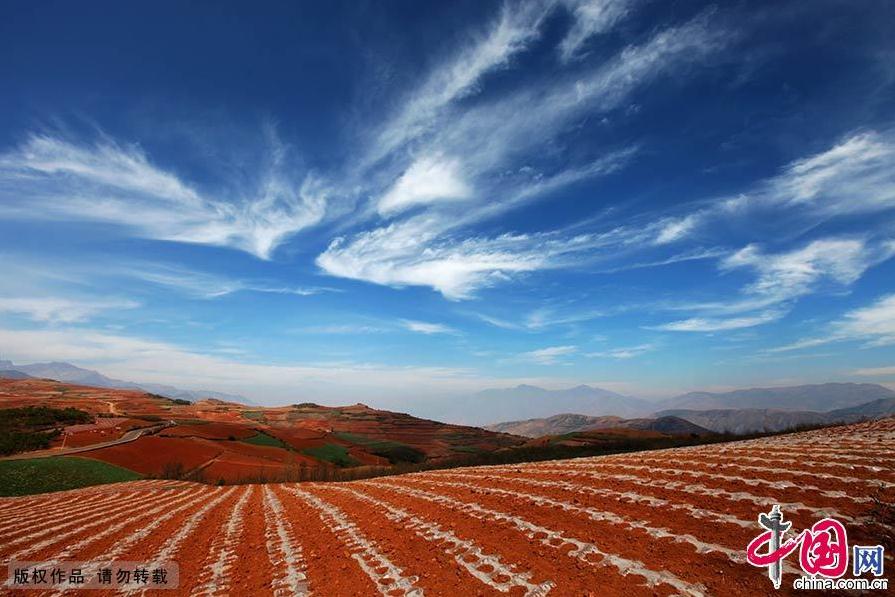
[(875, 371), (675, 229), (428, 328), (719, 324), (346, 328), (627, 352), (468, 159), (514, 29), (550, 355), (202, 284), (855, 175), (782, 278), (490, 134), (785, 276), (48, 176), (418, 252), (428, 180), (591, 18), (49, 309), (408, 253), (874, 325)]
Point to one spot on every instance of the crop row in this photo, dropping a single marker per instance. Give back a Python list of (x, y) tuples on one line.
[(664, 522)]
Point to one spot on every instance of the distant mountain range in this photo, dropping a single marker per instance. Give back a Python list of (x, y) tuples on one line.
[(750, 420), (818, 397), (740, 411), (72, 374), (529, 402), (11, 374), (525, 402), (572, 423)]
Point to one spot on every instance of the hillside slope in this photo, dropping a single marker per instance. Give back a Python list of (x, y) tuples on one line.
[(213, 439)]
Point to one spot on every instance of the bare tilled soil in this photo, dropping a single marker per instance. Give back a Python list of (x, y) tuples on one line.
[(667, 522)]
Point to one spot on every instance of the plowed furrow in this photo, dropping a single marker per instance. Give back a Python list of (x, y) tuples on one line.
[(387, 578), (330, 564), (824, 480), (693, 488), (566, 516), (12, 508), (11, 514), (852, 451), (188, 531), (635, 503), (781, 489), (450, 553), (793, 463), (250, 572), (572, 576), (79, 539), (148, 537), (214, 577), (572, 547), (42, 517), (863, 460), (283, 550), (53, 529)]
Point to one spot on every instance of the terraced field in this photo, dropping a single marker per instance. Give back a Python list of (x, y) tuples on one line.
[(211, 440), (649, 523)]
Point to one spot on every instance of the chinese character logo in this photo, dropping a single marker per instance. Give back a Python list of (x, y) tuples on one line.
[(868, 559), (823, 549)]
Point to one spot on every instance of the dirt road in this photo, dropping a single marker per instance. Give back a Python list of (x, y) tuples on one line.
[(127, 437)]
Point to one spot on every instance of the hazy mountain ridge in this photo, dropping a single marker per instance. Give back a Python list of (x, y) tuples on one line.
[(12, 373), (722, 412), (532, 402), (67, 372), (811, 397), (758, 420), (573, 423)]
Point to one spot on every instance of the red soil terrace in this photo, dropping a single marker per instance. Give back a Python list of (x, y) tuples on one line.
[(650, 523), (209, 436)]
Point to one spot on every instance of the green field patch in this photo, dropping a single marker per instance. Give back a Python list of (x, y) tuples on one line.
[(192, 421), (395, 452), (262, 439), (336, 454), (58, 473), (254, 415)]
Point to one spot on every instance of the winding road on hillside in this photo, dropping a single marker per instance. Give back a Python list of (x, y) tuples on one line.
[(130, 436)]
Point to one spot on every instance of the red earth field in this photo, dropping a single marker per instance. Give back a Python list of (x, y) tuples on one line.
[(648, 523), (218, 441)]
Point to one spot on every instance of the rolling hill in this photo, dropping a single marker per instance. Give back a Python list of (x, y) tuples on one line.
[(572, 423), (217, 440)]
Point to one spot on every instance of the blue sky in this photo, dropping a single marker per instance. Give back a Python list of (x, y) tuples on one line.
[(401, 202)]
